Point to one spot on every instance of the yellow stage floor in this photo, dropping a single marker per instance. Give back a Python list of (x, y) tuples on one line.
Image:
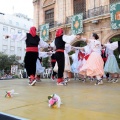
[(81, 101)]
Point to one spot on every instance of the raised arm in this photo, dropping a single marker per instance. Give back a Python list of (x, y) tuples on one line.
[(70, 39), (43, 44), (17, 37), (43, 54), (112, 46)]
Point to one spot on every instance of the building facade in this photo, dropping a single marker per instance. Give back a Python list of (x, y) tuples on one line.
[(96, 16), (13, 24)]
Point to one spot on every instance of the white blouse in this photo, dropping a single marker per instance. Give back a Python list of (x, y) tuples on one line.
[(95, 45), (67, 48), (23, 37), (66, 38), (92, 45), (43, 54), (112, 46)]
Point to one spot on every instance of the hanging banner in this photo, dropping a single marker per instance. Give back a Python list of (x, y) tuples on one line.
[(44, 32), (115, 15), (77, 24)]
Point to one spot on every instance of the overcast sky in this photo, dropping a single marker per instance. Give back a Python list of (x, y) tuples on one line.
[(17, 6)]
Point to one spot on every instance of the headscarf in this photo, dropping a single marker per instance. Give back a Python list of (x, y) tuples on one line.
[(59, 32), (33, 31)]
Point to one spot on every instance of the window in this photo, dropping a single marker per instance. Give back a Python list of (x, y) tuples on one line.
[(114, 1), (10, 21), (17, 24), (5, 29), (19, 31), (5, 47), (19, 49), (24, 26), (12, 48), (79, 6), (12, 31), (49, 17), (12, 52)]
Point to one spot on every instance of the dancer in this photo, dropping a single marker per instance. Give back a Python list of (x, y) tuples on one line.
[(67, 68), (74, 66), (94, 64), (111, 65), (32, 41), (59, 43), (104, 57)]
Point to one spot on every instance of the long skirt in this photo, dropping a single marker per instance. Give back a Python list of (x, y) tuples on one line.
[(93, 66), (111, 65), (39, 68)]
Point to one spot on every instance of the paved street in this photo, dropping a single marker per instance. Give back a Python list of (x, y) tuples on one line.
[(81, 101)]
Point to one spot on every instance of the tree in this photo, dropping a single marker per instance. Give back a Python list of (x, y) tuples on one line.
[(116, 38), (6, 61), (45, 62)]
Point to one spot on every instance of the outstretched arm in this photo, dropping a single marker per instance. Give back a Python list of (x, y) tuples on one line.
[(43, 44), (17, 37), (112, 46), (70, 39)]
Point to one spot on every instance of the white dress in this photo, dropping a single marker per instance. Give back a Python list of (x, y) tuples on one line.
[(68, 40), (67, 59), (39, 68), (74, 66), (94, 64), (111, 65)]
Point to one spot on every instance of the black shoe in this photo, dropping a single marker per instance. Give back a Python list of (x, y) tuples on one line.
[(83, 80), (99, 82)]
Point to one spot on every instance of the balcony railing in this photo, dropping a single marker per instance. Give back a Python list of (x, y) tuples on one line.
[(92, 13)]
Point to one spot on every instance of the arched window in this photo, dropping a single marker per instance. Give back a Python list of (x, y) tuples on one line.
[(114, 1), (79, 6), (49, 17)]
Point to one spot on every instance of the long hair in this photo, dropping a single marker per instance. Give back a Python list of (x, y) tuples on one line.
[(95, 36)]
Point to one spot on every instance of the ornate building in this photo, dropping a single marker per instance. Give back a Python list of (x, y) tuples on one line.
[(96, 16)]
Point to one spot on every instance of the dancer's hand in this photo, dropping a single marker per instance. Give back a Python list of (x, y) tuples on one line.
[(7, 36)]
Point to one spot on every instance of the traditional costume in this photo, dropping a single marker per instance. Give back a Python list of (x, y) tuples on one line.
[(32, 41), (111, 65), (94, 64), (59, 43)]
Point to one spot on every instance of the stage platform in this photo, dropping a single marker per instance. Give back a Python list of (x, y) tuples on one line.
[(81, 101)]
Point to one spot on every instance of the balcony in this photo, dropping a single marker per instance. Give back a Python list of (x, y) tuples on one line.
[(92, 13)]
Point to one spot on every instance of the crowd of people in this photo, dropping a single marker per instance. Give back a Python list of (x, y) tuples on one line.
[(93, 61)]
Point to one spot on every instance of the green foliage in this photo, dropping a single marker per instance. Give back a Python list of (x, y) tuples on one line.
[(82, 44), (45, 62), (116, 51), (15, 76), (6, 61), (115, 39)]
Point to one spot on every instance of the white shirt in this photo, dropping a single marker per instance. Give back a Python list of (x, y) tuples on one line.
[(23, 37), (66, 38)]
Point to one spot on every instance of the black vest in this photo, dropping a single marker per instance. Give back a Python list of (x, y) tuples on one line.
[(59, 43), (53, 57), (119, 47), (103, 55), (32, 41)]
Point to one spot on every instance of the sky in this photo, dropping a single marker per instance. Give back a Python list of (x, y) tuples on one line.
[(17, 6)]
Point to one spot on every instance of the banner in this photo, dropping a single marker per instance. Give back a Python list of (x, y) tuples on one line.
[(77, 24), (115, 15), (44, 32)]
